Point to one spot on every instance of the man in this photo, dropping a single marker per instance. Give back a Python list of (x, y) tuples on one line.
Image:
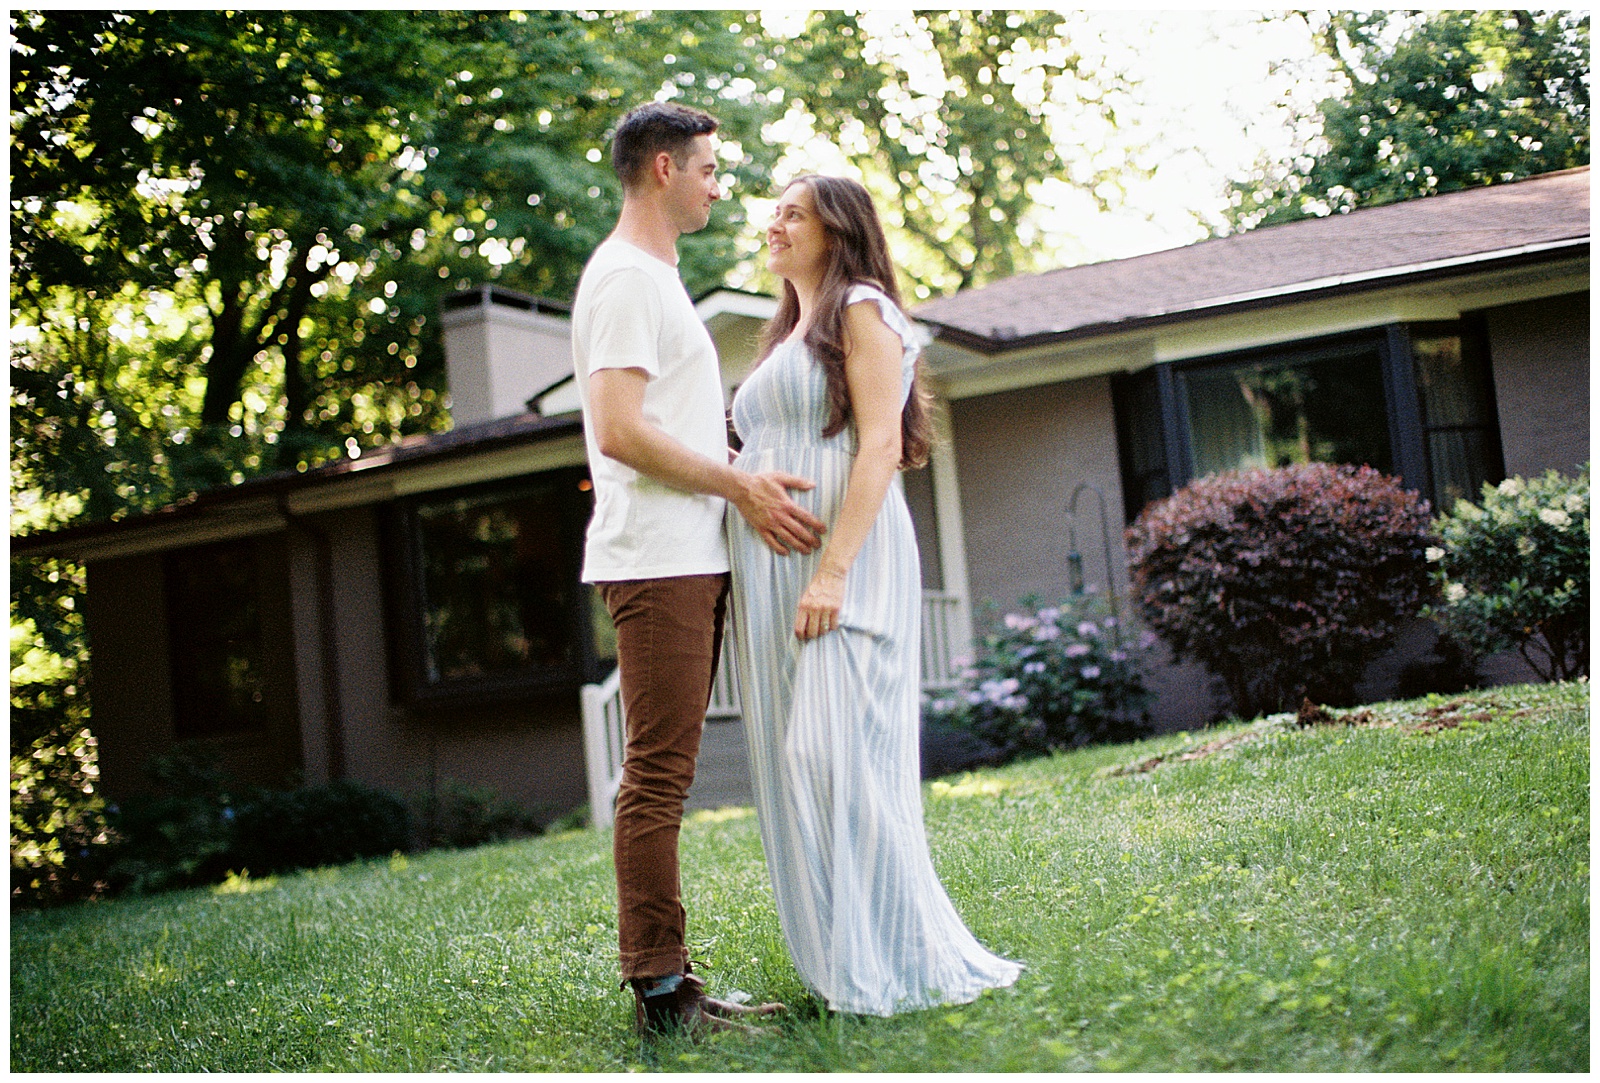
[(655, 427)]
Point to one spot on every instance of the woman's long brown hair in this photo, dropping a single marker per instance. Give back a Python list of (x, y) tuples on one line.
[(857, 252)]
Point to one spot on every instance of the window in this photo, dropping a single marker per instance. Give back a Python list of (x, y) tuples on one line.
[(1455, 395), (1415, 402), (1144, 431), (214, 622), (490, 604), (1282, 410)]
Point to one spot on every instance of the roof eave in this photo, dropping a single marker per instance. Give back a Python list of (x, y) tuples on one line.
[(1342, 285), (269, 496)]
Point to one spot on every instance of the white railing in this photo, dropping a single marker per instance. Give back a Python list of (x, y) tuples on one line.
[(605, 734), (604, 737), (724, 694), (943, 638)]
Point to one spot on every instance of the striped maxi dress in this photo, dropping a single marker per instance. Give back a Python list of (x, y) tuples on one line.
[(832, 724)]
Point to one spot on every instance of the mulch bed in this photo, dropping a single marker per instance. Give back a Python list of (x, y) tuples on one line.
[(1445, 716)]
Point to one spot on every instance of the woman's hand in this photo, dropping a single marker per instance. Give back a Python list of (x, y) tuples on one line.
[(819, 605)]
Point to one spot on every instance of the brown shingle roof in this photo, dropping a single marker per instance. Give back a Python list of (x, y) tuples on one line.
[(484, 436), (1317, 253)]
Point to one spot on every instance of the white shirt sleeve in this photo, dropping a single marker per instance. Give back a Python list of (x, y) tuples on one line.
[(625, 323)]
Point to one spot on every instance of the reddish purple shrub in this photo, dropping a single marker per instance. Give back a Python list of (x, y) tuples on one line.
[(1283, 582)]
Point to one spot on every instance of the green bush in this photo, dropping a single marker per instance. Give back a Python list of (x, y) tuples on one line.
[(1283, 582), (1052, 677), (469, 815), (574, 819), (1513, 572), (178, 835), (311, 826), (198, 826), (57, 818), (57, 815)]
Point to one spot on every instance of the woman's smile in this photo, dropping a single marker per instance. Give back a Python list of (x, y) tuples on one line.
[(797, 242)]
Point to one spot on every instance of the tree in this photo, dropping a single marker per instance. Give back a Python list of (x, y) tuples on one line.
[(953, 131), (223, 159), (1434, 103), (302, 187), (231, 232)]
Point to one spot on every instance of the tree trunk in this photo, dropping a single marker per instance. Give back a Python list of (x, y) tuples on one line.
[(233, 268), (231, 351), (297, 387)]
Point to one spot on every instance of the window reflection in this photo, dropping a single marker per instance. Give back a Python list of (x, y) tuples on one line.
[(1328, 409), (1322, 403), (1457, 407), (500, 582), (214, 613)]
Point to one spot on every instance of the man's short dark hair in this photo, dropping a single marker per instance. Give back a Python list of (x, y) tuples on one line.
[(650, 129)]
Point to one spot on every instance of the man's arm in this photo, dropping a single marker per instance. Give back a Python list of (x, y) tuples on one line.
[(616, 411)]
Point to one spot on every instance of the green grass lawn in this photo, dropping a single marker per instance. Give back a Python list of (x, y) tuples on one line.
[(1407, 895)]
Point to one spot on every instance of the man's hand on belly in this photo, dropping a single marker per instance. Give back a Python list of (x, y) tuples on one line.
[(763, 499)]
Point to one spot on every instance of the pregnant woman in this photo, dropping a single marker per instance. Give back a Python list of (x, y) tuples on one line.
[(826, 643)]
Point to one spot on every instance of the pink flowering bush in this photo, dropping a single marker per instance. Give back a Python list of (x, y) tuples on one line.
[(1513, 572), (1283, 582), (1049, 677)]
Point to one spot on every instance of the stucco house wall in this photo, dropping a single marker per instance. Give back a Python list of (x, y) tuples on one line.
[(529, 751), (918, 486), (1019, 456), (131, 692), (1540, 351)]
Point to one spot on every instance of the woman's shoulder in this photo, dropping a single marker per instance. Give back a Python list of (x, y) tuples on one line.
[(890, 312)]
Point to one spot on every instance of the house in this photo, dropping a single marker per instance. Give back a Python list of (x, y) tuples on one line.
[(414, 615), (1444, 340), (407, 617)]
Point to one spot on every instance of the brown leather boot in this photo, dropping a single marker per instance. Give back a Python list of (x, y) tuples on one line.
[(688, 1009)]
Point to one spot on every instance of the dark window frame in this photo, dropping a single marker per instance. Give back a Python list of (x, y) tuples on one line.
[(1402, 407), (406, 595), (193, 718), (1289, 355), (1473, 331)]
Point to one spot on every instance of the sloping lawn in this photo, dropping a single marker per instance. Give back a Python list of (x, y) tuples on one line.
[(1410, 893)]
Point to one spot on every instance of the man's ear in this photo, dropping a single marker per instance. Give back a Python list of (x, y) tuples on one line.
[(661, 167)]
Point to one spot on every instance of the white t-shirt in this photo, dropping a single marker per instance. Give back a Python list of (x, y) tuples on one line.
[(633, 312)]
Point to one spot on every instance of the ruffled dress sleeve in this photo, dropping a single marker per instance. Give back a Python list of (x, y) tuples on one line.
[(912, 337)]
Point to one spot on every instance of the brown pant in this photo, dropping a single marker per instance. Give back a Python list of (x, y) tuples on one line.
[(669, 633)]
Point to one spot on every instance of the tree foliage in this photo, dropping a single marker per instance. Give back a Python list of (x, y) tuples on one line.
[(292, 192), (231, 231), (952, 133), (1434, 103)]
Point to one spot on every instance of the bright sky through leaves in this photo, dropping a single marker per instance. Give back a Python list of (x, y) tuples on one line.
[(1213, 96)]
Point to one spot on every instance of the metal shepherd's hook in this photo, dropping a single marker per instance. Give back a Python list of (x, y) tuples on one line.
[(1075, 558)]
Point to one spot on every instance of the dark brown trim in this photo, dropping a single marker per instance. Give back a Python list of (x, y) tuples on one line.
[(328, 634)]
